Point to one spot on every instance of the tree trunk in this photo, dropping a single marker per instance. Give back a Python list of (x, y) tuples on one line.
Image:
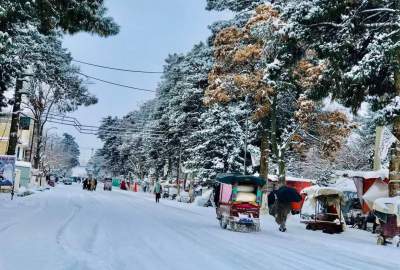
[(281, 167), (279, 153), (39, 144), (264, 157), (264, 154), (13, 138), (394, 167)]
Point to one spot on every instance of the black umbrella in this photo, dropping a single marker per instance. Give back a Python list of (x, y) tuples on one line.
[(287, 194)]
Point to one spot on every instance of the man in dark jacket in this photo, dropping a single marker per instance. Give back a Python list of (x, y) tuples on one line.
[(279, 209)]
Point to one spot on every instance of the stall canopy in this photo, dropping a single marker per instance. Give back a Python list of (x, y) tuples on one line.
[(240, 179)]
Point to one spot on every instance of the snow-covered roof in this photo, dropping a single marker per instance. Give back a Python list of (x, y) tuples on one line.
[(345, 184), (274, 178), (315, 191), (384, 173), (23, 164), (387, 205), (309, 190)]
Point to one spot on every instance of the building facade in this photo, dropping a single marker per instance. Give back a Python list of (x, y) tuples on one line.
[(25, 136)]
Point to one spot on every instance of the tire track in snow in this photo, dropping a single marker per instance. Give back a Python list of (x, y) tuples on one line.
[(83, 252), (65, 225), (6, 227)]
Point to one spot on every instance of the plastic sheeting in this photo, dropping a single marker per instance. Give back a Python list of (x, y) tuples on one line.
[(378, 190), (246, 188), (246, 197)]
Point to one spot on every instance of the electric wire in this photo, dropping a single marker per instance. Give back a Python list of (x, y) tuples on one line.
[(116, 84), (118, 69)]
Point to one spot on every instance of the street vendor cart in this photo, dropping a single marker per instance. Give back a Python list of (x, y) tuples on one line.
[(322, 210), (238, 200), (387, 211)]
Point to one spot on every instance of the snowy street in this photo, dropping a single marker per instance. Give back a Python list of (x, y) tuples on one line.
[(68, 228)]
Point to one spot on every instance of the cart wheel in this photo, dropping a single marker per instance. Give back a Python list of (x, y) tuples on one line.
[(381, 240), (222, 223), (308, 227), (233, 226), (396, 241)]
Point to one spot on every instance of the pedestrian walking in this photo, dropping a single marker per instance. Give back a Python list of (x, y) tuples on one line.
[(85, 183), (91, 184), (157, 191), (282, 211), (280, 204), (95, 184)]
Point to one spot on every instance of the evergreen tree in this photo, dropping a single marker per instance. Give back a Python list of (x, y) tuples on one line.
[(218, 145), (232, 5)]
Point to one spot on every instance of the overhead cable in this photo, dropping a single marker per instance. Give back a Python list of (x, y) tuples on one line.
[(118, 69), (116, 84)]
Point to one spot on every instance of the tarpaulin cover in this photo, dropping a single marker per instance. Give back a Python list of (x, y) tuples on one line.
[(378, 190), (240, 179)]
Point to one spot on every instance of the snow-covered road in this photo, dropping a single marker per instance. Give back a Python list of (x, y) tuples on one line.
[(71, 229)]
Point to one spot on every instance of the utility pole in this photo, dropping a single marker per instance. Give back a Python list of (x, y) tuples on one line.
[(13, 137)]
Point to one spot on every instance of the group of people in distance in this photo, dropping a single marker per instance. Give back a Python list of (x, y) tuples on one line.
[(89, 184)]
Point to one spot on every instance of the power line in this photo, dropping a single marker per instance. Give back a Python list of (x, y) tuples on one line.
[(118, 69), (107, 131), (86, 128), (116, 84)]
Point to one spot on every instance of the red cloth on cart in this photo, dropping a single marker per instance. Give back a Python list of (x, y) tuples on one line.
[(390, 228)]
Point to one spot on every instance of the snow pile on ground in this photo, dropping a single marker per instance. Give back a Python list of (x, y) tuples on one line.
[(203, 199), (23, 191)]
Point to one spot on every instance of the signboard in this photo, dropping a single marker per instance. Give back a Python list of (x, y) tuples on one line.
[(24, 123), (7, 169)]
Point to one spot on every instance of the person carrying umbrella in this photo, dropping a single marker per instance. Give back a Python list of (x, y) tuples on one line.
[(282, 205)]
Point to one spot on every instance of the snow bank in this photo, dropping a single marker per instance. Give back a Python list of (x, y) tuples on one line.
[(274, 178), (203, 199), (23, 191), (384, 173)]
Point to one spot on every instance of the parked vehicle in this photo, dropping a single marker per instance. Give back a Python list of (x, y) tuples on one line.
[(322, 209), (238, 202), (169, 191), (67, 181), (107, 184), (387, 210), (370, 185)]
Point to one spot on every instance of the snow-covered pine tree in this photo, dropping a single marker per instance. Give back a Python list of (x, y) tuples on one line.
[(232, 5), (218, 145), (112, 136)]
